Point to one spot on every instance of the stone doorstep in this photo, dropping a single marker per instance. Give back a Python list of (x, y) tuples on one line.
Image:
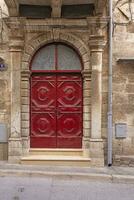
[(65, 152), (56, 157)]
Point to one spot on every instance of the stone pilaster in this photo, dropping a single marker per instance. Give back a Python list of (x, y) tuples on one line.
[(25, 116), (15, 48), (86, 111), (97, 44)]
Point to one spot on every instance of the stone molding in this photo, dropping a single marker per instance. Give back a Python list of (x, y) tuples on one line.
[(97, 43)]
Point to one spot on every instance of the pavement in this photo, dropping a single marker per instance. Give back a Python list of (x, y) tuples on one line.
[(111, 174)]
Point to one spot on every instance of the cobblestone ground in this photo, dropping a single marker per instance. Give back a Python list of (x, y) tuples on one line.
[(31, 188)]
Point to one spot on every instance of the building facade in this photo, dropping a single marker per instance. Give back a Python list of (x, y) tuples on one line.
[(54, 79)]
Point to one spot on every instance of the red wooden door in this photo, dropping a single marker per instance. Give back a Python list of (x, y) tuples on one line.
[(43, 116), (56, 111), (69, 111)]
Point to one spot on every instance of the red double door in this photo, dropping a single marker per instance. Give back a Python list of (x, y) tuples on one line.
[(56, 111)]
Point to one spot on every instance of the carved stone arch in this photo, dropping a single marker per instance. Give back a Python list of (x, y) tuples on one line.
[(49, 37)]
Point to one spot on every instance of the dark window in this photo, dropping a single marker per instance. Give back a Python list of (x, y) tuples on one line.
[(35, 11), (77, 11)]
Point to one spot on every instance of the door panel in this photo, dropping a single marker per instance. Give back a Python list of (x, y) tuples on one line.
[(43, 116), (56, 111), (69, 111)]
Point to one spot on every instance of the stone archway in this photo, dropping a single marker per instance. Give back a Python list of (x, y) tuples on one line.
[(30, 49)]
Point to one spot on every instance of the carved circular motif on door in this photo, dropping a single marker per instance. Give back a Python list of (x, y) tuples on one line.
[(43, 125), (69, 93), (69, 126), (42, 93)]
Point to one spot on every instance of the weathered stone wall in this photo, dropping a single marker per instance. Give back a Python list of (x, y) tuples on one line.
[(5, 83), (123, 81)]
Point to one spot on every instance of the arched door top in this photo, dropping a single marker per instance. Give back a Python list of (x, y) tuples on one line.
[(57, 57)]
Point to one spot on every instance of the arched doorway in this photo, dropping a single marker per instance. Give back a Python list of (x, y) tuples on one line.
[(56, 98)]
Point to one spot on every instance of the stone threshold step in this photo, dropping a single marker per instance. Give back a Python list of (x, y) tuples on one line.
[(64, 152), (50, 157), (56, 160)]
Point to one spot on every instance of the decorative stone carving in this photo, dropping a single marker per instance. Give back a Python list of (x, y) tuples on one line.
[(56, 8), (97, 25)]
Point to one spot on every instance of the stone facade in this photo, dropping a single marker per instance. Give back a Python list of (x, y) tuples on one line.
[(22, 37)]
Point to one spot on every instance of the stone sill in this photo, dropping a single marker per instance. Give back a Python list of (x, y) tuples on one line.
[(125, 60)]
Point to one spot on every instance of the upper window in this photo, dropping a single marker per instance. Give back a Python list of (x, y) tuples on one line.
[(35, 11), (56, 57), (77, 11)]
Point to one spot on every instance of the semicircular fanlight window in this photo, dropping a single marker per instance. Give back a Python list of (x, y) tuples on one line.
[(56, 57), (44, 59)]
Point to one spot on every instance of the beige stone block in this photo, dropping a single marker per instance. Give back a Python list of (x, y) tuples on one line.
[(131, 78), (87, 85), (87, 116), (105, 84), (25, 116), (86, 101), (86, 109), (86, 124), (29, 49), (86, 132), (24, 84), (104, 133), (3, 151), (119, 113), (25, 65), (130, 88), (127, 146), (25, 93), (64, 37), (86, 93), (25, 132), (25, 124), (35, 44), (119, 78), (117, 146), (25, 101), (119, 87), (105, 98), (25, 108), (87, 66), (26, 57), (85, 143), (82, 50), (15, 144), (41, 39), (119, 98), (14, 159), (131, 99), (86, 58), (97, 162), (130, 131)]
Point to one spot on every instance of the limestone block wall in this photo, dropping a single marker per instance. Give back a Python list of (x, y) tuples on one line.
[(123, 84), (4, 80), (5, 89)]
